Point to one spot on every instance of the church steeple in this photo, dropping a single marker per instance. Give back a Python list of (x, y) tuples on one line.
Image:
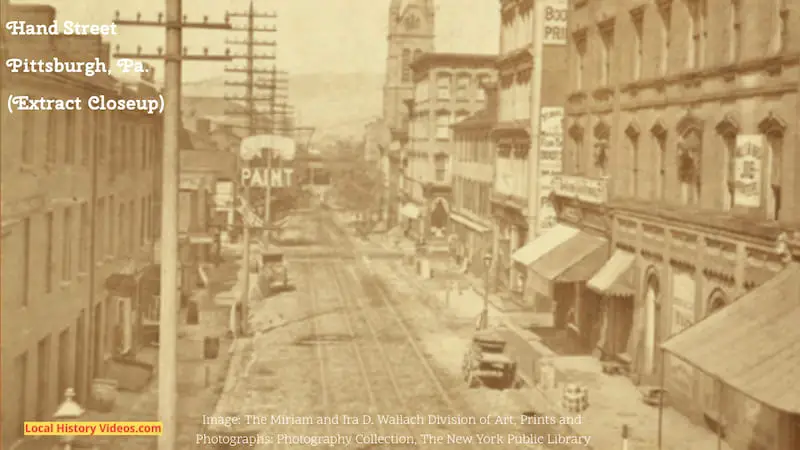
[(411, 33)]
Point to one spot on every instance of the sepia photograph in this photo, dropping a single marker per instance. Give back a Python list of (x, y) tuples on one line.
[(400, 224)]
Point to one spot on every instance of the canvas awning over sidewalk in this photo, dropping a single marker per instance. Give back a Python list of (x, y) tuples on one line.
[(615, 278), (564, 255), (753, 344)]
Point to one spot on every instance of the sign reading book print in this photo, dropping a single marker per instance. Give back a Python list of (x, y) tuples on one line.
[(747, 164), (555, 22)]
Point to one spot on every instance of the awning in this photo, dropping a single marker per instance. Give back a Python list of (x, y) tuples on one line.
[(200, 239), (753, 344), (563, 256), (467, 222), (410, 210), (615, 277), (534, 250)]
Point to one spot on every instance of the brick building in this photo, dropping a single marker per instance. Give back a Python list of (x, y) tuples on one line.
[(473, 175), (523, 165), (79, 202), (446, 90), (681, 152)]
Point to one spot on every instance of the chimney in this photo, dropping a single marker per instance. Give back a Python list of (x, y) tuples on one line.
[(203, 127)]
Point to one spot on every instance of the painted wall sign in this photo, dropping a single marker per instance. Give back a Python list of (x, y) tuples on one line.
[(683, 299), (747, 165), (550, 163), (555, 22), (589, 190)]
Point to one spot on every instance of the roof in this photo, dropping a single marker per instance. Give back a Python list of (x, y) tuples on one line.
[(753, 344), (474, 60)]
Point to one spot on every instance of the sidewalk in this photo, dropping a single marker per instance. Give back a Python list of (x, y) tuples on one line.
[(613, 400), (199, 380)]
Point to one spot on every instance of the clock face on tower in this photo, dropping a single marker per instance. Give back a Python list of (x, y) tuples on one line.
[(411, 22)]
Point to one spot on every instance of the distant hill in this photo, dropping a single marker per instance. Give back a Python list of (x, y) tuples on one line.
[(336, 104)]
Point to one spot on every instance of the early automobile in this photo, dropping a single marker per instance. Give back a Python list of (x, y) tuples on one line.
[(273, 269), (486, 362)]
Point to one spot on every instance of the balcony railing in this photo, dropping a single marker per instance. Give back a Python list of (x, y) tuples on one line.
[(585, 189)]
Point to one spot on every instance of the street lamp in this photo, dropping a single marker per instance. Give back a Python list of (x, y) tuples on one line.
[(69, 410), (487, 264)]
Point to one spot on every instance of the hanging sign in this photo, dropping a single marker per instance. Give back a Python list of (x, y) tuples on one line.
[(747, 170)]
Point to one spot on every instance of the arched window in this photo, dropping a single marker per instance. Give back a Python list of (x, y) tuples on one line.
[(728, 129), (690, 152), (406, 65), (417, 54)]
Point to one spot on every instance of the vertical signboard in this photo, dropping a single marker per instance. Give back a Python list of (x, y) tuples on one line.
[(683, 297), (555, 22), (747, 171), (550, 150)]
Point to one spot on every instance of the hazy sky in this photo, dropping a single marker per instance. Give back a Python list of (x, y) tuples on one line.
[(341, 36)]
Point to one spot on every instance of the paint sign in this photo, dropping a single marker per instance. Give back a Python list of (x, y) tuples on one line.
[(747, 165), (550, 162), (259, 177), (554, 13), (683, 298)]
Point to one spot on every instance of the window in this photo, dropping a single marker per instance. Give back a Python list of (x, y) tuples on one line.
[(111, 243), (122, 223), (100, 229), (83, 240), (480, 92), (406, 66), (132, 244), (19, 395), (666, 26), (697, 34), (28, 137), (729, 169), (580, 58), (443, 87), (26, 261), (775, 143), (66, 242), (633, 140), (690, 150), (51, 149), (728, 130), (660, 137), (443, 125), (49, 222), (69, 138), (577, 144), (86, 140), (43, 357), (462, 89), (441, 167), (779, 27), (735, 41), (64, 375), (607, 38), (143, 220), (99, 138), (638, 42)]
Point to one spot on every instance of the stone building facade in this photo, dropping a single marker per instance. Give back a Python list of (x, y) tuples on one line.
[(446, 90), (79, 211), (681, 142)]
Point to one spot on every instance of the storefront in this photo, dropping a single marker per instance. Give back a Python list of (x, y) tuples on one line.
[(473, 241), (511, 232), (128, 305), (740, 363), (560, 263)]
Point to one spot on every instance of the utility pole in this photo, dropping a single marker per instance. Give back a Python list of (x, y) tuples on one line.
[(168, 319), (250, 100)]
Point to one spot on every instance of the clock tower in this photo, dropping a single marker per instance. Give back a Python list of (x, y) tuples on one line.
[(411, 33)]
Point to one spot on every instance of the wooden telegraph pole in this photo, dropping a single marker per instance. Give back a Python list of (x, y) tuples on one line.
[(168, 319), (250, 99)]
